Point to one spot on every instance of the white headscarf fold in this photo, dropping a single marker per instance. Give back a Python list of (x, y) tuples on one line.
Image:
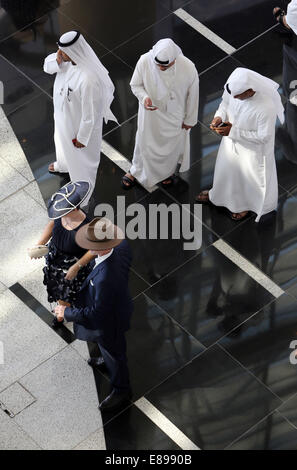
[(292, 15), (164, 50), (81, 53), (243, 79)]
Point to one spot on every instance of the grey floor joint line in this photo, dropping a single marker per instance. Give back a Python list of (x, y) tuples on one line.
[(15, 399)]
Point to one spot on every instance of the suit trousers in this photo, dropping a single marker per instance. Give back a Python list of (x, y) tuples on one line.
[(114, 354)]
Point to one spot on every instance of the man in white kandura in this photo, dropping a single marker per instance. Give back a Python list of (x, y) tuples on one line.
[(289, 19), (83, 93), (245, 176), (167, 86)]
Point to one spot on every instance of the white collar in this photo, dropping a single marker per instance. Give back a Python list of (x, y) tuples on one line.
[(100, 259)]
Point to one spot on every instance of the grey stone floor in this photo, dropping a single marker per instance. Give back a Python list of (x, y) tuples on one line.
[(48, 398)]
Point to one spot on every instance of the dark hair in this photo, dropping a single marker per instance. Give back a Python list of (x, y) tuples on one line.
[(228, 89)]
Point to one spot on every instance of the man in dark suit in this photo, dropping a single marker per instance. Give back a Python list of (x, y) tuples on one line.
[(103, 309)]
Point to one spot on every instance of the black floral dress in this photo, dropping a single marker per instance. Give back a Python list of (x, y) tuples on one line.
[(63, 253)]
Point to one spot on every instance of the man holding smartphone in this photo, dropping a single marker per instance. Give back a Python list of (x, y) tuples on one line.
[(167, 86), (245, 176)]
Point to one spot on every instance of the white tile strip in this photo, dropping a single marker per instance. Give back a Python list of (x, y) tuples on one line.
[(119, 160), (165, 425), (249, 268), (207, 33)]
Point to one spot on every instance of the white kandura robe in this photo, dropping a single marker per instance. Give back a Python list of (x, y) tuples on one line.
[(161, 143), (245, 177), (77, 114), (292, 15)]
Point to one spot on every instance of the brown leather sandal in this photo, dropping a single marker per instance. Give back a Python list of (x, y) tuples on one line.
[(127, 183), (168, 181), (239, 216), (202, 197)]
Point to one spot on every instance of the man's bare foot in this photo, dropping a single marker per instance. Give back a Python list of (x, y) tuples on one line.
[(202, 197), (239, 216)]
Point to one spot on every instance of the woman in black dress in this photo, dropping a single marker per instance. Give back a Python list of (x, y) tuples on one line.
[(67, 264)]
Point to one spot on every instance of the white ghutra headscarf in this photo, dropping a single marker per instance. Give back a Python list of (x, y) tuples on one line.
[(80, 52), (163, 52), (243, 79)]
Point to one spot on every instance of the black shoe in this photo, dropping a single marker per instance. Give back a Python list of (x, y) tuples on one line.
[(115, 401), (97, 362)]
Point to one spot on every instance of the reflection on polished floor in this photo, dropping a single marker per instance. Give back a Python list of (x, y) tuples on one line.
[(210, 340)]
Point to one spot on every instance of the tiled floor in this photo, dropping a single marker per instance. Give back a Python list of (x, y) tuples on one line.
[(209, 343)]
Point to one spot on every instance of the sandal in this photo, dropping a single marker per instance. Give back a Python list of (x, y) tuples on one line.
[(278, 12), (55, 170), (168, 181), (202, 197), (239, 216), (129, 181), (279, 15)]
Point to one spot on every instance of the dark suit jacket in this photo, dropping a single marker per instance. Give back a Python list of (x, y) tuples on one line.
[(104, 305)]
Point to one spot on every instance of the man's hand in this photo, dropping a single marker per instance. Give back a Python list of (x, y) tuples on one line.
[(59, 57), (72, 272), (224, 131), (77, 144), (148, 104), (184, 126), (215, 122), (59, 311)]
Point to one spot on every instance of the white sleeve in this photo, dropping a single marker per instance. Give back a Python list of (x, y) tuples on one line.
[(222, 110), (137, 85), (91, 108), (51, 65), (265, 122), (191, 116)]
